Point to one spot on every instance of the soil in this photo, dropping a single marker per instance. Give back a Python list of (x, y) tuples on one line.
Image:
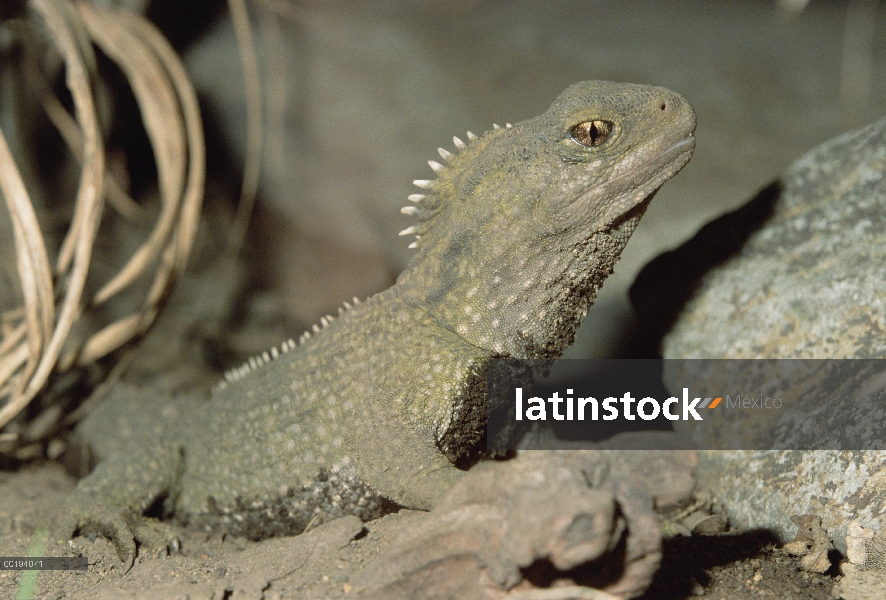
[(747, 566), (741, 566)]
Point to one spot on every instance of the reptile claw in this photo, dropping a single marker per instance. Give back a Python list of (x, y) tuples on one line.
[(98, 519), (123, 528)]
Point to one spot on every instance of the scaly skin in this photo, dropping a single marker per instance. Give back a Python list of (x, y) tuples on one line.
[(515, 236)]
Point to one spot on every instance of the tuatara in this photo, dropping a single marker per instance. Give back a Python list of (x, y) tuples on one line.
[(377, 406)]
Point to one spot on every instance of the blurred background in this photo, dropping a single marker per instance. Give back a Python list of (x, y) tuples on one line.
[(360, 94)]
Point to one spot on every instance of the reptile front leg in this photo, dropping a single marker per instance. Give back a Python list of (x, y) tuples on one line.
[(107, 504), (133, 432), (395, 460)]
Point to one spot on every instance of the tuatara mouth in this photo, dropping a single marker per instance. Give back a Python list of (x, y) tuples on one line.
[(645, 171), (640, 182)]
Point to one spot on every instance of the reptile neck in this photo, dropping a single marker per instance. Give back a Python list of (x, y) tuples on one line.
[(525, 307)]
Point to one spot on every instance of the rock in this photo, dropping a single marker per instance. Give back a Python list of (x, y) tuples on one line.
[(795, 273), (785, 404), (580, 522), (860, 585), (812, 543), (864, 576), (762, 489)]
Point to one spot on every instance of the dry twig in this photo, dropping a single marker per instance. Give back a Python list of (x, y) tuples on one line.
[(254, 121), (35, 338)]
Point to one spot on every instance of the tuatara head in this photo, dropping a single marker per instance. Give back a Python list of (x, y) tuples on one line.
[(522, 225)]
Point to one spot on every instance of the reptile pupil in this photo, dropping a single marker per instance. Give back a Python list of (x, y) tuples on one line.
[(591, 133)]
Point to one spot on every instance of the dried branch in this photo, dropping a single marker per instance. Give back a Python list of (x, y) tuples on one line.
[(35, 334), (254, 126)]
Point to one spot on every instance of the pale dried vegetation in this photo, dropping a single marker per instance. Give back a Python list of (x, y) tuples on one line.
[(52, 317)]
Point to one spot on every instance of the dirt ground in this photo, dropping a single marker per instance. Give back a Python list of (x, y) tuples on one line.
[(319, 564)]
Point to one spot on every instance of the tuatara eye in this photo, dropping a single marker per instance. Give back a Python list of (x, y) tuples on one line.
[(591, 133)]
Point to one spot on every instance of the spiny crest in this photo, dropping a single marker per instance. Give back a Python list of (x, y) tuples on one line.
[(255, 362), (428, 205)]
